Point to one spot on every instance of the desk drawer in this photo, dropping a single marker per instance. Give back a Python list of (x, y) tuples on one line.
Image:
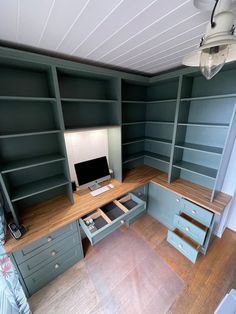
[(190, 227), (36, 247), (141, 192), (47, 273), (183, 244), (45, 257), (198, 213), (111, 216)]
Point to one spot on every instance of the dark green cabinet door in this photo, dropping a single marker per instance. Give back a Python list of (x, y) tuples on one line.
[(163, 205)]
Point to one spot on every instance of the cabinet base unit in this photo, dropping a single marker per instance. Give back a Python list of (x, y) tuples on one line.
[(194, 227), (42, 261), (110, 217)]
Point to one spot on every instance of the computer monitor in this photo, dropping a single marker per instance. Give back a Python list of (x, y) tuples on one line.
[(91, 172)]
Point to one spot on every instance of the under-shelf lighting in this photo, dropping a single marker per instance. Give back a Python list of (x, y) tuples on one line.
[(218, 46)]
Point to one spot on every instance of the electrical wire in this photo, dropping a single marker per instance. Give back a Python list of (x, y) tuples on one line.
[(213, 24)]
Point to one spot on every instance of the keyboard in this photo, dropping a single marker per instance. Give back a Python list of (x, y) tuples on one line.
[(100, 191)]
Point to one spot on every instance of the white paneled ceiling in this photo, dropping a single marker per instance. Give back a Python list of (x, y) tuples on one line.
[(145, 35)]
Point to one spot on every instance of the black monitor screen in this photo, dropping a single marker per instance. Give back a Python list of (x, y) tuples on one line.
[(91, 170)]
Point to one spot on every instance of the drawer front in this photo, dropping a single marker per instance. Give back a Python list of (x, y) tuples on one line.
[(200, 214), (40, 260), (115, 224), (183, 247), (46, 274), (192, 231), (34, 248)]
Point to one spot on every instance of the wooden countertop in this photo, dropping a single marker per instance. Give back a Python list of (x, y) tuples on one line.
[(52, 215)]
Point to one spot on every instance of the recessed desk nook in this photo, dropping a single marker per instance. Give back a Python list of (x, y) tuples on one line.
[(168, 142)]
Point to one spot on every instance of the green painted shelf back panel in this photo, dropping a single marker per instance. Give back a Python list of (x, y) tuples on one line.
[(79, 115), (205, 171), (23, 81), (40, 186), (199, 147), (20, 148), (30, 162), (30, 116)]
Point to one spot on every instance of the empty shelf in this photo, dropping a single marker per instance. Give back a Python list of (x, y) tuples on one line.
[(214, 125), (31, 162), (198, 169), (148, 101), (161, 122), (28, 133), (19, 98), (87, 100), (33, 188), (209, 97), (134, 140), (146, 138), (132, 157), (203, 148), (157, 156), (146, 154), (133, 123)]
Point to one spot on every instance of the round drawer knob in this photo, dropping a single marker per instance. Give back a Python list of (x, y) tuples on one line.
[(139, 194), (177, 200), (49, 239), (193, 211), (187, 228), (122, 222), (53, 253), (180, 246), (56, 266)]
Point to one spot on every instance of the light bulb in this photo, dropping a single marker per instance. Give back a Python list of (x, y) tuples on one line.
[(213, 59)]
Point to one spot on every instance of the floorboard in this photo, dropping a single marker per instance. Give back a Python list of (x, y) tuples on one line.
[(205, 283)]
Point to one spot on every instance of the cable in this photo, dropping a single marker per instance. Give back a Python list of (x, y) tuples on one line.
[(213, 24)]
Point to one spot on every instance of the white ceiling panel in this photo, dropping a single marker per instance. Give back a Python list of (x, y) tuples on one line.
[(122, 16), (88, 22), (169, 38), (146, 35), (64, 15), (33, 19), (8, 20)]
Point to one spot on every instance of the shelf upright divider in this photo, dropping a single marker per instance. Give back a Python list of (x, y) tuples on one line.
[(56, 90), (171, 172)]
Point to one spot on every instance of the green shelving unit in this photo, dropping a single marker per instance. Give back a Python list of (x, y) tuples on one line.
[(152, 107), (177, 122), (32, 151)]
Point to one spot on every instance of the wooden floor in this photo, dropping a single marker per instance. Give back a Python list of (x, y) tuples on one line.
[(206, 282)]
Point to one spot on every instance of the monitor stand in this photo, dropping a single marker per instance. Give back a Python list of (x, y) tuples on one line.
[(94, 187)]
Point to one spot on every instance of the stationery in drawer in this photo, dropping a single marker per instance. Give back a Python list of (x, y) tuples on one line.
[(46, 256), (198, 213), (191, 227), (34, 248), (183, 244), (108, 218)]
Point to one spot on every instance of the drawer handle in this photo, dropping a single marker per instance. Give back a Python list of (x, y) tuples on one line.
[(177, 200), (193, 211), (49, 239), (56, 266), (122, 222), (180, 246), (187, 228), (53, 253), (140, 194)]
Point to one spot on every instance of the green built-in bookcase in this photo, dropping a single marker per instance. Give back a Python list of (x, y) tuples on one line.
[(32, 149), (181, 124), (178, 122)]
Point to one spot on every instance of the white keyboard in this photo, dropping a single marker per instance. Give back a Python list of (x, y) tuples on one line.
[(100, 191)]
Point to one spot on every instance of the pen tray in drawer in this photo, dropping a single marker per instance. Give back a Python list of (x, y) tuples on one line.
[(109, 217)]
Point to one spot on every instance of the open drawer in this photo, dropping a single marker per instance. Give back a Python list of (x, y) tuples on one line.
[(101, 222)]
